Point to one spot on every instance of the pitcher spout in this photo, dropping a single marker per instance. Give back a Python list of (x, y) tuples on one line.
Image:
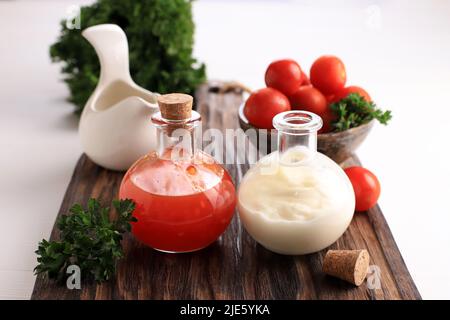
[(111, 46)]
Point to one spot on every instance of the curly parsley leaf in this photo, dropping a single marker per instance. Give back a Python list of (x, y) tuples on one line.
[(353, 111), (161, 40), (89, 239)]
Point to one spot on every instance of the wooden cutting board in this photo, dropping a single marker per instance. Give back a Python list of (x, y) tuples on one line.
[(235, 267)]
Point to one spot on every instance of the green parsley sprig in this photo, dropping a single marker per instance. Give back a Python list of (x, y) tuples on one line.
[(88, 239), (354, 111), (160, 35)]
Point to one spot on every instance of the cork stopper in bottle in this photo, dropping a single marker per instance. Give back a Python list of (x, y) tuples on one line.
[(348, 265), (175, 106)]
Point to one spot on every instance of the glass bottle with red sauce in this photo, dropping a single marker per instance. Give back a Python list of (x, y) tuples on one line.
[(184, 199)]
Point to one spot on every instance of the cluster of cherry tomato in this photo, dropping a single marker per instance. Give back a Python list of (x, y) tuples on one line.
[(288, 87)]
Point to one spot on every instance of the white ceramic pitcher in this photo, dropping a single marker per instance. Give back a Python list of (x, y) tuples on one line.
[(115, 128)]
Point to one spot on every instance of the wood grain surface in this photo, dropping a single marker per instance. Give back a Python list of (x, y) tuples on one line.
[(234, 267)]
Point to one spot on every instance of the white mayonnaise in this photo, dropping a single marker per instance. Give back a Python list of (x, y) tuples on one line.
[(297, 203)]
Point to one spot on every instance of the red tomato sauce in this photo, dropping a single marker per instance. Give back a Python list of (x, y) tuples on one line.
[(180, 207)]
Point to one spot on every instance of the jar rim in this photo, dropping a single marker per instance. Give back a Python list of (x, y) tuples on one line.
[(297, 122)]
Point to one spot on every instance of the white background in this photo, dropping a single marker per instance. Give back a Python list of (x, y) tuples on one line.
[(398, 50)]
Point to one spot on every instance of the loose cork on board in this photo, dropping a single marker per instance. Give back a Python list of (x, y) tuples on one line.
[(348, 265), (175, 106)]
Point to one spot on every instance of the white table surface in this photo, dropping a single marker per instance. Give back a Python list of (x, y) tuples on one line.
[(398, 50)]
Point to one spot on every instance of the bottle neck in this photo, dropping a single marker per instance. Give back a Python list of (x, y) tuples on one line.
[(289, 140), (177, 140), (297, 129)]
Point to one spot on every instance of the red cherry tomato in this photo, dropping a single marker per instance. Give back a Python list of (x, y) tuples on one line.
[(330, 98), (309, 99), (328, 74), (327, 118), (263, 105), (366, 186), (305, 81), (343, 93), (284, 75)]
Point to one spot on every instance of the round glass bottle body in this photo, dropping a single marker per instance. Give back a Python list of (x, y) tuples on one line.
[(184, 199), (296, 200)]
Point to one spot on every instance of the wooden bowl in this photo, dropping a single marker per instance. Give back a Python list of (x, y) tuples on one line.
[(339, 146)]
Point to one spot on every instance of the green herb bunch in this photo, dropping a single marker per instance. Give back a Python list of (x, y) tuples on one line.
[(88, 239), (354, 111), (160, 36)]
